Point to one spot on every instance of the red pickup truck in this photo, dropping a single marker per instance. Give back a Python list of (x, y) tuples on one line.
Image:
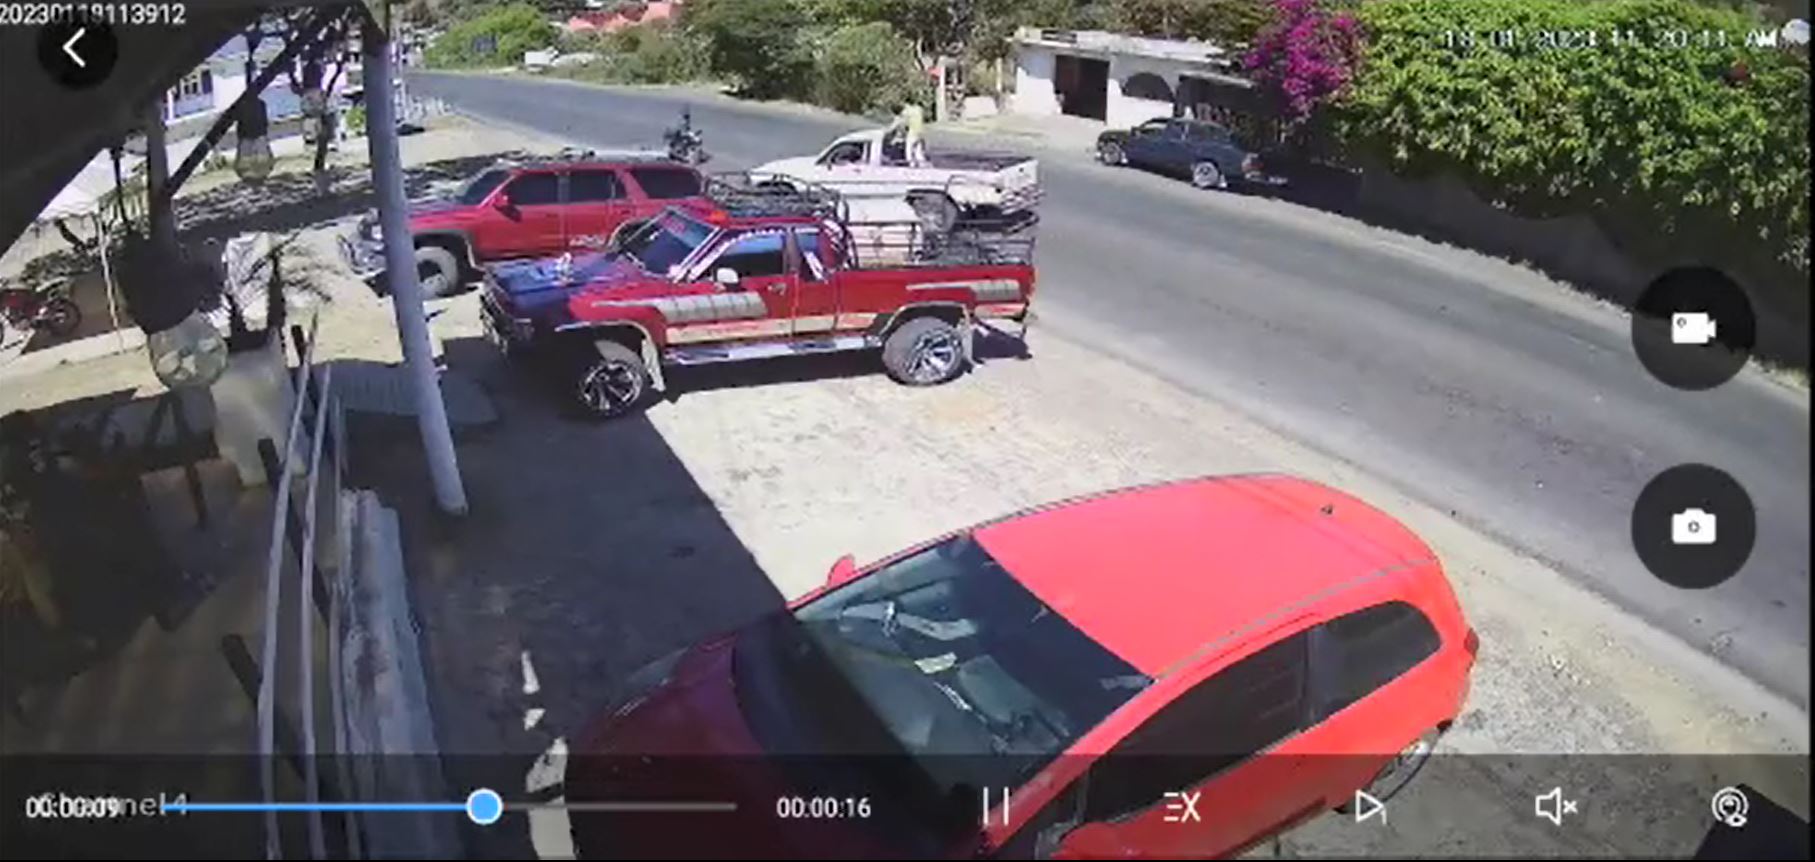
[(734, 280), (525, 209)]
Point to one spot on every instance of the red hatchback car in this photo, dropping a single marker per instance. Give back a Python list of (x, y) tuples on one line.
[(1178, 670)]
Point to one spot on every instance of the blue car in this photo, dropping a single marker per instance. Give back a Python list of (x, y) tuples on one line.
[(1206, 153)]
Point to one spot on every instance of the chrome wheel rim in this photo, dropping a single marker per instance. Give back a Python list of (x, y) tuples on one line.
[(433, 280), (934, 356), (1110, 154), (1204, 176), (609, 387)]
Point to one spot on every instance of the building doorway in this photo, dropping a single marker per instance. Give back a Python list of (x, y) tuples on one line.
[(1082, 85)]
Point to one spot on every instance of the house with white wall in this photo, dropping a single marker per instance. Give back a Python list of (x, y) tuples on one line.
[(1124, 80), (213, 85)]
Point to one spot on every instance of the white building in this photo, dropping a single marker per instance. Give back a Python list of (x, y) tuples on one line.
[(1123, 80)]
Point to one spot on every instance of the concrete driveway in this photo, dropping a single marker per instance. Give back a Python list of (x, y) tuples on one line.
[(595, 547)]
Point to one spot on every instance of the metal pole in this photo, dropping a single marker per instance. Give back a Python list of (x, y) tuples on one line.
[(158, 209), (400, 272)]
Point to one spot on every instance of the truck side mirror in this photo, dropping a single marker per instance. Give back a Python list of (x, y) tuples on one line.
[(726, 277), (842, 571)]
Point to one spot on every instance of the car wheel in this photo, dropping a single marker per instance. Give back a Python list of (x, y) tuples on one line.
[(925, 351), (611, 383), (1206, 175), (1110, 153), (1399, 772), (438, 270)]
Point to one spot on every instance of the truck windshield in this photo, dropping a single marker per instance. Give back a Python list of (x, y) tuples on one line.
[(661, 245), (481, 185), (947, 659)]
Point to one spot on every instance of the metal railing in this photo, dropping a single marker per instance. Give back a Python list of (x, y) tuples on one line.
[(315, 433)]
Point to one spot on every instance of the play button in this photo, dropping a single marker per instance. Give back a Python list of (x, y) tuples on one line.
[(78, 54), (1367, 806)]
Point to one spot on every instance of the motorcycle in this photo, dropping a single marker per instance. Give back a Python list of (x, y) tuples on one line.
[(685, 143), (48, 308)]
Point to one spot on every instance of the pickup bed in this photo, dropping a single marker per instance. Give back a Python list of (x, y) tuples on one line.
[(700, 285), (870, 169)]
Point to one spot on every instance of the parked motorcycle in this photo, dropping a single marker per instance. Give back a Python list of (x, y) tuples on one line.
[(47, 308), (685, 143)]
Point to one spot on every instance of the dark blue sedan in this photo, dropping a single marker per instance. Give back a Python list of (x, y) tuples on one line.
[(1205, 152)]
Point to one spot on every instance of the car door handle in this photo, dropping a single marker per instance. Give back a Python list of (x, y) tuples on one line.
[(777, 287)]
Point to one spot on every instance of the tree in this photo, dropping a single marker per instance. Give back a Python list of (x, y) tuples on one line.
[(757, 43), (1304, 56), (1231, 23), (869, 67), (498, 37)]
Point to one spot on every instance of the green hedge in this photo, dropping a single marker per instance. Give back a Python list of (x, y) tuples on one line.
[(1663, 122), (515, 29)]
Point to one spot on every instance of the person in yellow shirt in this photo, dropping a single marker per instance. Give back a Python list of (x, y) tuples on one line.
[(911, 123)]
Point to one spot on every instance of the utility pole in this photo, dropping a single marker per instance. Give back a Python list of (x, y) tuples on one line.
[(400, 270)]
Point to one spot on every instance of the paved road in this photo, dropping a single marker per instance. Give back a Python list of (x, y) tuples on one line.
[(1475, 387)]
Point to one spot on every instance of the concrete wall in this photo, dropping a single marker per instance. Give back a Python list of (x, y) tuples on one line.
[(1128, 110), (1035, 69), (1577, 249)]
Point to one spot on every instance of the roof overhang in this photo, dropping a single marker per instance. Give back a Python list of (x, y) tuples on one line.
[(50, 131)]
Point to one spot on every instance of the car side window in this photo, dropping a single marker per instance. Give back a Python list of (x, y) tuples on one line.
[(531, 190), (1204, 133), (1175, 131), (753, 256), (593, 187), (1151, 127), (1358, 653), (664, 184), (847, 153), (808, 262), (1242, 710)]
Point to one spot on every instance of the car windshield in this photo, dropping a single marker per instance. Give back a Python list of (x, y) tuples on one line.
[(480, 186), (949, 660), (661, 245)]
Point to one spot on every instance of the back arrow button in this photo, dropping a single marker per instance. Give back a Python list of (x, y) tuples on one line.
[(69, 48)]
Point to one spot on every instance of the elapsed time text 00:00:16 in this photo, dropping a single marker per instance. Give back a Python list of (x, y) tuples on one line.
[(112, 14)]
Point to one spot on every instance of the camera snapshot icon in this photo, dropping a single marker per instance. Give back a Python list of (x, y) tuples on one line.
[(1692, 327), (1693, 527)]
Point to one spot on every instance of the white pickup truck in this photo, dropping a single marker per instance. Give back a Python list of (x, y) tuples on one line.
[(870, 170)]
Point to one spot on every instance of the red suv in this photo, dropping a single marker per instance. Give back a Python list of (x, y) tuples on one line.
[(526, 209), (1179, 670)]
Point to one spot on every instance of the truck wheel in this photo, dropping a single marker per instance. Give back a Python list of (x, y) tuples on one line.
[(936, 210), (438, 270), (925, 351), (1206, 175), (612, 382)]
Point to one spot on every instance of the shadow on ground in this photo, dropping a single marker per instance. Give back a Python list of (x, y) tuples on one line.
[(588, 551), (289, 201)]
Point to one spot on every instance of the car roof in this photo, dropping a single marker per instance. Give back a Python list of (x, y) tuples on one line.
[(1158, 573), (551, 164)]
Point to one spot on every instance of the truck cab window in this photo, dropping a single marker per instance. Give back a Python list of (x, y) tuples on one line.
[(847, 153), (753, 256)]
